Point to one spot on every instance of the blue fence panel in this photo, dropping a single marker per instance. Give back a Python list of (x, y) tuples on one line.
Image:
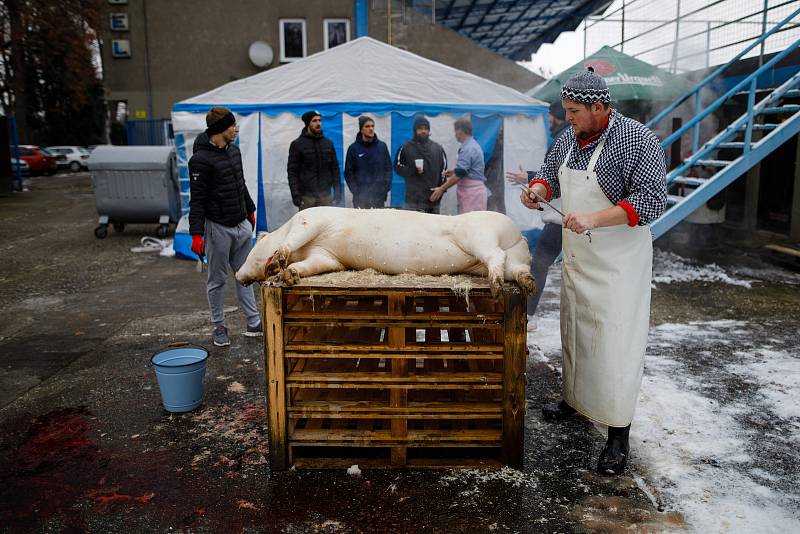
[(150, 132)]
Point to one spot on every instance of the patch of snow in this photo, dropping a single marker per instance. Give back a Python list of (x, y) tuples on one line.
[(768, 273), (669, 267), (777, 376), (479, 477), (690, 448)]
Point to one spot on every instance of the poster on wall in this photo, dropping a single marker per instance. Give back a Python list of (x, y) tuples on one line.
[(293, 39), (337, 31)]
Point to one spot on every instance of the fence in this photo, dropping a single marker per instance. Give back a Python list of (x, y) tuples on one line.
[(150, 132), (686, 35)]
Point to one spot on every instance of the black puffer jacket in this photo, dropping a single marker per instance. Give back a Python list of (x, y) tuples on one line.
[(218, 190), (313, 168), (418, 186)]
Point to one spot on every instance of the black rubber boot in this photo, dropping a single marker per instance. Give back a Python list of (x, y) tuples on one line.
[(556, 411), (614, 457)]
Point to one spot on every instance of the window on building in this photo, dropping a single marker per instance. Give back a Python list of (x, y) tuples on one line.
[(293, 39), (337, 31)]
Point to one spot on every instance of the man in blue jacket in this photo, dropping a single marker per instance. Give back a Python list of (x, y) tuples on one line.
[(368, 167)]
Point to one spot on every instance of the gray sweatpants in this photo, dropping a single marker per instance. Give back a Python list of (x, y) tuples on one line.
[(228, 246)]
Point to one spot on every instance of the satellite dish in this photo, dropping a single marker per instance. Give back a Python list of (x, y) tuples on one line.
[(260, 54)]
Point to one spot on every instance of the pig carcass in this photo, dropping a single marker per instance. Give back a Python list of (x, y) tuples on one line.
[(324, 239)]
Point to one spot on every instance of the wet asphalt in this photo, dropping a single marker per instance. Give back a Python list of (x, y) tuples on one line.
[(85, 444)]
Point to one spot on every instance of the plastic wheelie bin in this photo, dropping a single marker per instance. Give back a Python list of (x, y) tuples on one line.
[(135, 184)]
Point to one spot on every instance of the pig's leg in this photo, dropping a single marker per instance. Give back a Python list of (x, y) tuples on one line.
[(518, 267), (318, 261), (486, 249), (300, 234), (494, 259)]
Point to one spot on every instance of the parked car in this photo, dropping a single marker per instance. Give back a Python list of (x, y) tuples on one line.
[(39, 160), (24, 168), (72, 157)]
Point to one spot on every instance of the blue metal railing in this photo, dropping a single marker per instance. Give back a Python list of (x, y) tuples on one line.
[(752, 152), (696, 90), (731, 130)]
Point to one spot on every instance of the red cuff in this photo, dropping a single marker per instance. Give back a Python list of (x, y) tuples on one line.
[(633, 217), (549, 193)]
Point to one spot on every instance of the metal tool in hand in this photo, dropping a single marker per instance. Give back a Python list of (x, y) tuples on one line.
[(546, 203)]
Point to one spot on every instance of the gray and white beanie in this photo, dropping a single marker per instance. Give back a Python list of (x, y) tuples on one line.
[(587, 88)]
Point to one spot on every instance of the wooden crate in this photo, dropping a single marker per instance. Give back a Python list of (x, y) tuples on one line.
[(378, 376)]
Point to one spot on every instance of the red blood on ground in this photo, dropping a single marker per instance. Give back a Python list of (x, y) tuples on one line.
[(122, 497), (60, 432), (254, 413)]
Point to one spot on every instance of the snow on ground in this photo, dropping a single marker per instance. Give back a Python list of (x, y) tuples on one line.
[(669, 267), (717, 425)]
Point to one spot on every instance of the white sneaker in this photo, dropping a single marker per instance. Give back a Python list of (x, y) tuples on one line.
[(532, 324)]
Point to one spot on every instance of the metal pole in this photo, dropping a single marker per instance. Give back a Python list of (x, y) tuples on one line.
[(433, 13), (763, 31), (675, 150), (696, 133), (147, 80), (677, 36), (389, 22), (585, 30), (751, 101), (12, 121), (622, 41)]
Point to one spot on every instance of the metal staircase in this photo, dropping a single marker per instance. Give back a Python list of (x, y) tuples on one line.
[(776, 121)]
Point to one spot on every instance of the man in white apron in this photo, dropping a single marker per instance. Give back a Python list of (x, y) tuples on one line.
[(609, 172)]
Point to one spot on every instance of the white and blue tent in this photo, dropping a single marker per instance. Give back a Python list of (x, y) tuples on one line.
[(363, 76)]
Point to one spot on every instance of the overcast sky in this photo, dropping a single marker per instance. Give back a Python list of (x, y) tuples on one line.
[(553, 58)]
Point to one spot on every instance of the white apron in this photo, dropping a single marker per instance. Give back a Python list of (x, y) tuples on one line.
[(605, 304)]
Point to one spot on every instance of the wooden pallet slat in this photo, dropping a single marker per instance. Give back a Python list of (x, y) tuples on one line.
[(366, 375)]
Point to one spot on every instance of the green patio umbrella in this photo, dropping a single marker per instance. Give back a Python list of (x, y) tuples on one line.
[(628, 78)]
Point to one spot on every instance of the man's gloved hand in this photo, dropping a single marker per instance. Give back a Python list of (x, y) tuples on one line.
[(252, 218), (198, 245)]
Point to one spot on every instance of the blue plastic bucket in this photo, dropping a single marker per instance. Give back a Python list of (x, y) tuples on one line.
[(180, 372)]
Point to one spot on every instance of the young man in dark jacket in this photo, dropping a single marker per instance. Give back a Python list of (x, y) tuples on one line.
[(421, 163), (313, 167), (368, 167), (222, 218)]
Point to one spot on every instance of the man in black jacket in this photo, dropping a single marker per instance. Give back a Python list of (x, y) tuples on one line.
[(421, 162), (222, 218), (313, 167), (368, 167)]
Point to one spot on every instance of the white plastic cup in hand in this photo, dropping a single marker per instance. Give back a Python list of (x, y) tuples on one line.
[(418, 163)]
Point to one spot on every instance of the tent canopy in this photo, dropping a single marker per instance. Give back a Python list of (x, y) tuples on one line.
[(363, 76), (359, 76), (628, 78)]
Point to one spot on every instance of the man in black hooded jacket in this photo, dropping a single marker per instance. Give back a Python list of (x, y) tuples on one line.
[(222, 218), (313, 168), (421, 163)]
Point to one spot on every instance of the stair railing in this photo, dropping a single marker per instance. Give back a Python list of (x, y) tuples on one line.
[(700, 114)]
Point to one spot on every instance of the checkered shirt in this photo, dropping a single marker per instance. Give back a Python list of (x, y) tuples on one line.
[(631, 167)]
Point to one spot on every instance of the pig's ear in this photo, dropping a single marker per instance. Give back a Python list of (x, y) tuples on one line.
[(261, 235)]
